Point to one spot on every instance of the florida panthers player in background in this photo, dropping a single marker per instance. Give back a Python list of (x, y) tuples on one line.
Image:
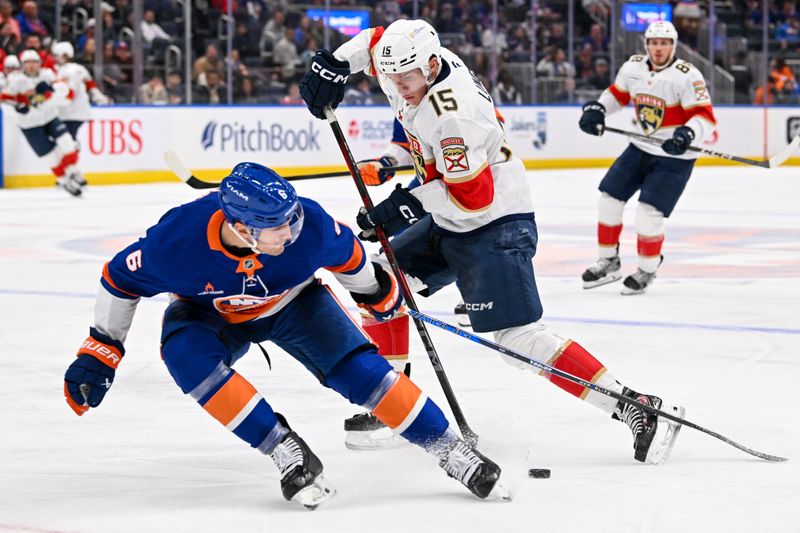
[(672, 103), (36, 95), (471, 220), (241, 266)]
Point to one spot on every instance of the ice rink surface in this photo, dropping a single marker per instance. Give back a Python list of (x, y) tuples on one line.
[(718, 332)]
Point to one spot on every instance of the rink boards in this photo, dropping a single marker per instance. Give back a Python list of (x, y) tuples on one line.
[(125, 143)]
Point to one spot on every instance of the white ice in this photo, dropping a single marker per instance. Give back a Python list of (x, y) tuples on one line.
[(718, 332)]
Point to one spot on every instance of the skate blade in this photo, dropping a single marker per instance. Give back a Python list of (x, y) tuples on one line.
[(605, 280), (380, 439), (463, 322), (500, 493), (314, 495), (660, 454), (627, 291)]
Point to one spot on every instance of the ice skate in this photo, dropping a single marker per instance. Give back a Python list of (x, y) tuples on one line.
[(365, 432), (638, 282), (301, 473), (70, 185), (604, 270), (461, 315), (475, 471), (653, 436)]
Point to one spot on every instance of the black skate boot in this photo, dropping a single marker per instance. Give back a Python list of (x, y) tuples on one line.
[(301, 472), (365, 432), (475, 471), (653, 436), (461, 315), (604, 270), (70, 185), (638, 282)]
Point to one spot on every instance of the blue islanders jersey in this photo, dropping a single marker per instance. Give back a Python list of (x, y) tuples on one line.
[(183, 255)]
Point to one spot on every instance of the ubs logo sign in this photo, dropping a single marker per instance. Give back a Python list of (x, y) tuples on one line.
[(115, 136)]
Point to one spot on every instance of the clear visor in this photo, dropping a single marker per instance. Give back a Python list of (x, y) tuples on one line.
[(282, 235), (407, 84)]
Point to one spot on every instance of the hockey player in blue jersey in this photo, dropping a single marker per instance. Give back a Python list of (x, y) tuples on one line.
[(240, 265)]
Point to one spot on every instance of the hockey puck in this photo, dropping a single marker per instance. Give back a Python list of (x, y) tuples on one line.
[(539, 473)]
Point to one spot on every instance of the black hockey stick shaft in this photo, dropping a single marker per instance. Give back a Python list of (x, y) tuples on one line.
[(469, 435), (658, 142), (574, 379), (197, 183)]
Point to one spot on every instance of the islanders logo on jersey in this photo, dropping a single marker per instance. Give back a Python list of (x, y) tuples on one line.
[(649, 112), (242, 307)]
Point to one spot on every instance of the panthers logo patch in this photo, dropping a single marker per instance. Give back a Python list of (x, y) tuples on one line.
[(455, 158), (649, 112)]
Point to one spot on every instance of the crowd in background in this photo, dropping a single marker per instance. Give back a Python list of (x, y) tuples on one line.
[(273, 42)]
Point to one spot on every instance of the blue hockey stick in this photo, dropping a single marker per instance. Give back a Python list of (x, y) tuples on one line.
[(569, 377)]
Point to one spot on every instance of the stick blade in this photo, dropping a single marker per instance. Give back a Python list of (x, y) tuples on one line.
[(781, 157), (176, 165)]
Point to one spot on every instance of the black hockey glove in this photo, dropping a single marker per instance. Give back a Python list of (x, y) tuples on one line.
[(22, 107), (681, 139), (323, 85), (43, 88), (395, 214), (386, 302), (593, 119), (90, 376)]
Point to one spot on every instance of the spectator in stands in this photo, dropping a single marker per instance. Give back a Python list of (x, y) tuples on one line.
[(110, 26), (386, 12), (505, 92), (556, 36), (284, 53), (175, 89), (247, 92), (293, 96), (124, 58), (153, 91), (742, 78), (584, 65), (686, 17), (209, 61), (596, 39), (88, 33), (781, 85), (256, 10), (519, 45), (6, 16), (273, 30), (115, 79), (8, 39), (472, 38), (446, 22), (312, 45), (243, 41), (788, 33), (34, 42), (29, 21), (597, 8), (155, 38), (488, 38), (359, 93), (554, 64), (601, 77), (214, 90), (86, 56)]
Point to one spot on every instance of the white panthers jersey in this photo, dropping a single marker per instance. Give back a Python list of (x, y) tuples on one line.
[(468, 174), (42, 108), (81, 84), (664, 100)]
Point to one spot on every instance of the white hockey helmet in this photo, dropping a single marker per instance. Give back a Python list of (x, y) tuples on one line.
[(661, 29), (63, 49), (407, 45), (11, 62), (30, 55)]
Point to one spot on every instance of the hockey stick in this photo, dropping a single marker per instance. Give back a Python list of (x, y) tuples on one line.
[(182, 171), (470, 436), (569, 377), (774, 161)]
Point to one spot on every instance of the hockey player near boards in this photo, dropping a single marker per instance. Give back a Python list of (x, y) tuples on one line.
[(471, 220), (36, 95), (10, 64), (241, 265), (672, 103)]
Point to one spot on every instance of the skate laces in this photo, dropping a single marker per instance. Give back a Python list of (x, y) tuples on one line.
[(633, 416), (461, 462), (641, 277), (287, 455), (603, 265)]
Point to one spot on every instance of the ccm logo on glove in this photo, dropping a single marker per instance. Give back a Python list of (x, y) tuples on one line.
[(326, 74)]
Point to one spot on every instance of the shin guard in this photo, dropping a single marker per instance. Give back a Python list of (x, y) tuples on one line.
[(574, 359)]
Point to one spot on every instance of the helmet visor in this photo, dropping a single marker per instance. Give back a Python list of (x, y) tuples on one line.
[(410, 85), (284, 234)]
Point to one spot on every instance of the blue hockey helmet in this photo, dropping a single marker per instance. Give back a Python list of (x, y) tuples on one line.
[(260, 199)]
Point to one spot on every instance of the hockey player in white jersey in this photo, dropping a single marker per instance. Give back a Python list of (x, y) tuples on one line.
[(10, 64), (671, 103), (471, 220), (83, 89), (36, 95)]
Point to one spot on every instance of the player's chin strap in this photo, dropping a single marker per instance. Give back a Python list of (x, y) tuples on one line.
[(252, 244)]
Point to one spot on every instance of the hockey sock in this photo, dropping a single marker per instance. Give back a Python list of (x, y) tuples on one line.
[(238, 406), (609, 225), (650, 230), (574, 359), (391, 338)]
